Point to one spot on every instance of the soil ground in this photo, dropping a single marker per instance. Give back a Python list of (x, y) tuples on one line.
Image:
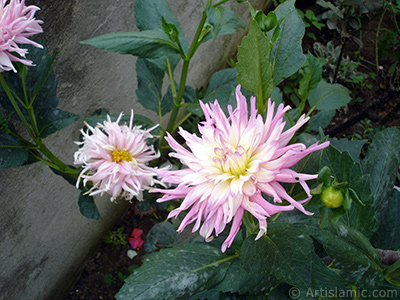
[(378, 106)]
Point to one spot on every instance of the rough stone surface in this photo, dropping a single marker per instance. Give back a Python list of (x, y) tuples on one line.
[(44, 240)]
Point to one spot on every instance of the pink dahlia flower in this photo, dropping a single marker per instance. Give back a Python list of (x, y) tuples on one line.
[(236, 159), (114, 158), (17, 24)]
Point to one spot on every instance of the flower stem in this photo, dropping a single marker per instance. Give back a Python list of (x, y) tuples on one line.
[(16, 107), (178, 101), (34, 132)]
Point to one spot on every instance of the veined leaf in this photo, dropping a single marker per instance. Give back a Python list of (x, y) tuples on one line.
[(296, 265), (328, 96), (238, 280), (382, 163), (311, 78), (287, 55), (254, 66), (42, 86), (12, 152), (388, 234), (352, 254), (176, 272), (353, 146), (224, 21), (145, 44), (54, 120), (150, 80), (148, 15)]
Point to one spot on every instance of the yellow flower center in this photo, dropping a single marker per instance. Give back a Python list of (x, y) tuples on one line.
[(118, 155), (232, 161)]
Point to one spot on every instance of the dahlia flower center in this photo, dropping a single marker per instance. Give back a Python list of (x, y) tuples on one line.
[(232, 161), (118, 155)]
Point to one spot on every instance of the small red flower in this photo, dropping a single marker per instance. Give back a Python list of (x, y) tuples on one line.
[(135, 239)]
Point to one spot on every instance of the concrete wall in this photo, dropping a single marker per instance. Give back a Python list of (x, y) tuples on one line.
[(44, 240)]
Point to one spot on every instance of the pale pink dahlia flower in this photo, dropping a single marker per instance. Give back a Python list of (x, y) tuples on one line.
[(114, 158), (236, 159), (17, 24)]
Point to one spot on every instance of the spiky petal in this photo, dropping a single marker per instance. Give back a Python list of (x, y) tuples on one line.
[(114, 158), (234, 161), (18, 24)]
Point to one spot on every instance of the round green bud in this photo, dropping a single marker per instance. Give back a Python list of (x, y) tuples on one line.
[(332, 197)]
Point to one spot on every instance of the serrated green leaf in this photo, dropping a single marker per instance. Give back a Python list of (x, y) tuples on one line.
[(275, 254), (351, 252), (327, 96), (238, 280), (253, 66), (176, 272), (144, 44), (223, 22), (150, 80), (382, 163), (311, 78), (352, 146), (13, 156), (87, 207), (388, 234), (324, 277), (53, 120), (148, 15), (287, 55)]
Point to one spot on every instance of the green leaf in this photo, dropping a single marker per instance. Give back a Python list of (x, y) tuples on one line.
[(53, 120), (222, 88), (238, 280), (71, 180), (162, 234), (145, 44), (176, 272), (223, 22), (328, 96), (12, 152), (312, 76), (171, 30), (352, 254), (352, 146), (274, 254), (388, 234), (386, 291), (148, 15), (41, 88), (150, 80), (287, 55), (321, 119), (254, 67), (382, 163), (87, 207)]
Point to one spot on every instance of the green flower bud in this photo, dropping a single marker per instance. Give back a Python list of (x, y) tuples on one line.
[(332, 197)]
